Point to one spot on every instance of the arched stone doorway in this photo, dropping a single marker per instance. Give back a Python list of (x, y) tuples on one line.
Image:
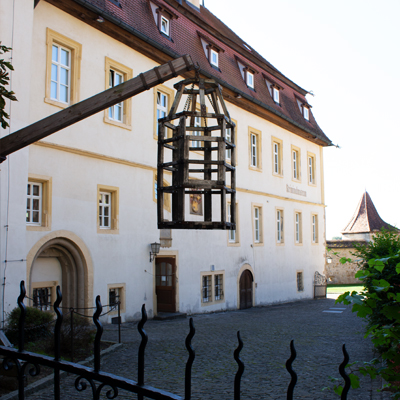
[(246, 289), (61, 261)]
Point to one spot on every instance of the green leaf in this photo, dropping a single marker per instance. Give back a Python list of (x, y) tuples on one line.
[(398, 268), (362, 310), (344, 260), (355, 381), (338, 390)]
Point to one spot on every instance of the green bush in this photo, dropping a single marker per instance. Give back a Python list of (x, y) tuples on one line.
[(379, 304), (83, 337), (37, 325)]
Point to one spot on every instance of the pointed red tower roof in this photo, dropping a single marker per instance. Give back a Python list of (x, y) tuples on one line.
[(366, 219)]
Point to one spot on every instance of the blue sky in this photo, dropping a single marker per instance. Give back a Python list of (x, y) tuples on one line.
[(347, 53)]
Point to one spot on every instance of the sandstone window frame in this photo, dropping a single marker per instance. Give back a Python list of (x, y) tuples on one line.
[(46, 202), (114, 208), (311, 169), (209, 285), (255, 149), (257, 217), (296, 163), (122, 297), (75, 49), (298, 228), (314, 229), (277, 156), (280, 226), (127, 73)]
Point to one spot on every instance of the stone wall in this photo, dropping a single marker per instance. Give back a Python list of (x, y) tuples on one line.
[(336, 272)]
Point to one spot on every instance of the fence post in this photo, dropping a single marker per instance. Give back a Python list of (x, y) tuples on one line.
[(119, 322), (72, 333)]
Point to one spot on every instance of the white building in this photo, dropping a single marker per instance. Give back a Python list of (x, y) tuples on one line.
[(78, 208)]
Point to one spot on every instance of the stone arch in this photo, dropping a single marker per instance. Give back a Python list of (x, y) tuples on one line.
[(245, 267), (76, 266)]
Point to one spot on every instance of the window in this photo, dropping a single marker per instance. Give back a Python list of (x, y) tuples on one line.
[(62, 70), (164, 26), (311, 169), (212, 287), (306, 112), (107, 209), (167, 196), (277, 157), (38, 203), (44, 295), (300, 284), (233, 236), (295, 163), (255, 149), (42, 298), (298, 228), (34, 203), (249, 79), (119, 114), (60, 74), (116, 293), (115, 112), (257, 224), (279, 226), (163, 98), (275, 94), (206, 291), (214, 58), (314, 228), (218, 287)]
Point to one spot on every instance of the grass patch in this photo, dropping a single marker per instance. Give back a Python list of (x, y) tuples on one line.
[(339, 289)]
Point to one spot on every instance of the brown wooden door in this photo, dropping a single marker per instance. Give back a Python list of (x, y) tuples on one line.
[(246, 290), (165, 284)]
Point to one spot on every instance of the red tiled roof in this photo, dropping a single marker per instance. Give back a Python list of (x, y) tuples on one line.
[(184, 39), (366, 219)]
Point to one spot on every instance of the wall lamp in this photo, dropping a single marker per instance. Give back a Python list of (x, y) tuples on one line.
[(329, 259), (100, 19), (155, 249)]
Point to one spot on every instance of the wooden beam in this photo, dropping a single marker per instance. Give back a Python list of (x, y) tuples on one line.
[(93, 105)]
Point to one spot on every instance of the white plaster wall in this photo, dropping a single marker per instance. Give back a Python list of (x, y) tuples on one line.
[(124, 257), (16, 21)]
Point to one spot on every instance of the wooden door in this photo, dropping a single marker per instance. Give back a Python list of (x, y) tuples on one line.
[(165, 284), (246, 290)]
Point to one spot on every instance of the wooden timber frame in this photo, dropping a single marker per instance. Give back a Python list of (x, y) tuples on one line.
[(195, 155)]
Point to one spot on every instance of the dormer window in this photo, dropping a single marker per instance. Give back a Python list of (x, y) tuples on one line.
[(164, 25), (213, 58), (163, 16), (275, 94), (274, 89), (304, 107), (211, 50), (247, 72)]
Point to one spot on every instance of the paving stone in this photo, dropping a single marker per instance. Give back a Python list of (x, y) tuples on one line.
[(266, 333)]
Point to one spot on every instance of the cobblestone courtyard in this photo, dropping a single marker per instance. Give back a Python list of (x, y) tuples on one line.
[(318, 327)]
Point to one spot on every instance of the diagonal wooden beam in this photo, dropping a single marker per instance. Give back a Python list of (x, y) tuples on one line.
[(101, 101)]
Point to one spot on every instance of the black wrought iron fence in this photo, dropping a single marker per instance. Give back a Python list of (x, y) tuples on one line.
[(97, 380)]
